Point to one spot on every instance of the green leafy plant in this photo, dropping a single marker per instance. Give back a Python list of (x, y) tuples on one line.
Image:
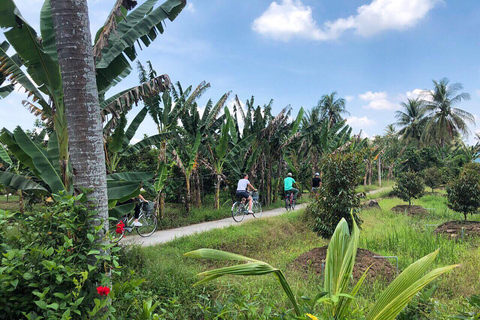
[(339, 265), (409, 185), (432, 177), (337, 197), (463, 194)]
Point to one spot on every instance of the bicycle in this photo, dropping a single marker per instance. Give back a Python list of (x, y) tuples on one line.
[(240, 208), (289, 201), (146, 217)]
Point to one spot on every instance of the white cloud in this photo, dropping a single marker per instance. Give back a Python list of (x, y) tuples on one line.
[(349, 98), (291, 18), (416, 93), (359, 122), (478, 91), (190, 7), (378, 101)]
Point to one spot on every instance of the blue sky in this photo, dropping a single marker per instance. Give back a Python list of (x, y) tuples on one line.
[(374, 53)]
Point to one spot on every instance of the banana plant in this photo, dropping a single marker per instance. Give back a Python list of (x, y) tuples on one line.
[(42, 164), (114, 44), (339, 265), (222, 149)]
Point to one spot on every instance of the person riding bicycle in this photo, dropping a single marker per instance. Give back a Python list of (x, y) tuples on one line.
[(138, 202), (288, 183), (316, 183), (242, 191)]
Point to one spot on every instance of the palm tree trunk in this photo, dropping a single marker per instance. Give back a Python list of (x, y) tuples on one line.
[(269, 182), (75, 56)]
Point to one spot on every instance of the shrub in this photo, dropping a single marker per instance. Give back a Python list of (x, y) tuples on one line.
[(463, 194), (409, 186), (337, 197), (432, 177), (52, 266)]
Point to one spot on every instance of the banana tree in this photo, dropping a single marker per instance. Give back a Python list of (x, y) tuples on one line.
[(43, 165), (225, 148), (195, 130), (113, 45), (339, 264)]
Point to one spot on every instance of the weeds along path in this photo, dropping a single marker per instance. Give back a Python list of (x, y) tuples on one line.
[(163, 236)]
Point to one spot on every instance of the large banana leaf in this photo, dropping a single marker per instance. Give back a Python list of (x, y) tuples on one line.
[(8, 139), (132, 128), (47, 31), (143, 23), (4, 156), (52, 150), (45, 168), (10, 69), (19, 182), (121, 210), (130, 176), (40, 66), (122, 190)]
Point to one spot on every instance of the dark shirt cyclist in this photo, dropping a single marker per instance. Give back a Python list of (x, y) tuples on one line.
[(316, 183)]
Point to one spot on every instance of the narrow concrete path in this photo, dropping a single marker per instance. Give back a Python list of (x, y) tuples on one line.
[(163, 236)]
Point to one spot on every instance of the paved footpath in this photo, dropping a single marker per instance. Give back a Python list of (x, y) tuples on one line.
[(171, 234)]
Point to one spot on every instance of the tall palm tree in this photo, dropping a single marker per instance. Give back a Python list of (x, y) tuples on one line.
[(390, 130), (412, 119), (331, 108), (85, 135), (444, 120)]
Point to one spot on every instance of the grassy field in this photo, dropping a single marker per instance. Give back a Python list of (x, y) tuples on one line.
[(279, 241)]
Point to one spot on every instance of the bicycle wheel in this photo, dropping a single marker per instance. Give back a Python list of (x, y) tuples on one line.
[(287, 204), (257, 209), (149, 224), (117, 229), (238, 211), (294, 202)]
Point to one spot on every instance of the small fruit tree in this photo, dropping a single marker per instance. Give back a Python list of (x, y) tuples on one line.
[(433, 177), (463, 194), (337, 196), (410, 185)]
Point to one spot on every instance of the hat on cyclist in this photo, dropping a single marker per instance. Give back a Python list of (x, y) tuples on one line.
[(317, 174), (289, 174)]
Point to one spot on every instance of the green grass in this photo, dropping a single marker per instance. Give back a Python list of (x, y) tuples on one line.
[(280, 240)]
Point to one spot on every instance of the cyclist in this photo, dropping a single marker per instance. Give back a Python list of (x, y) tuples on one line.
[(137, 203), (288, 183), (242, 187), (316, 183)]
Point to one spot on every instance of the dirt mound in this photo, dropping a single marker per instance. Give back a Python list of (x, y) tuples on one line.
[(314, 260), (370, 204), (410, 210), (454, 228)]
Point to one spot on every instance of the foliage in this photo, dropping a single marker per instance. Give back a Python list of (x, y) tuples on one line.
[(463, 194), (432, 177), (338, 271), (409, 185), (474, 306), (337, 197), (47, 264)]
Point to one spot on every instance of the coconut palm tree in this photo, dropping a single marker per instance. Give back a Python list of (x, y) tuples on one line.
[(412, 119), (444, 120), (332, 108)]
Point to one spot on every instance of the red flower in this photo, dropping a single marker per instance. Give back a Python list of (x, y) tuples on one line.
[(103, 291), (120, 227)]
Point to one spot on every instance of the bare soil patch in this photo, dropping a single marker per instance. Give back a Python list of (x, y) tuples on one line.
[(370, 204), (410, 210), (314, 260), (454, 228)]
